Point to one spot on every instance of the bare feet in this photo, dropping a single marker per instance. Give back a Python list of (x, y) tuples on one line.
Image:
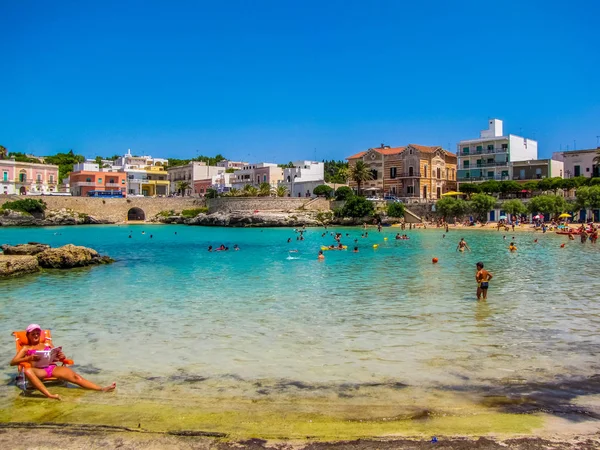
[(109, 388), (54, 396)]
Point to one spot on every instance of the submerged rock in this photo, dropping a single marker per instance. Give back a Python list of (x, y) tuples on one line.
[(15, 265), (70, 256)]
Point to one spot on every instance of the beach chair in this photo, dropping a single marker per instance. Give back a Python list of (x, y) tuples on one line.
[(20, 341)]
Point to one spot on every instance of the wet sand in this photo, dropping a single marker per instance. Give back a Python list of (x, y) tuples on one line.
[(78, 438)]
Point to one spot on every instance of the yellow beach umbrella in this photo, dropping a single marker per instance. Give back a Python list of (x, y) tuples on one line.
[(564, 215), (452, 193)]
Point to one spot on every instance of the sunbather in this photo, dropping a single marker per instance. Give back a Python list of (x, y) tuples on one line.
[(35, 375)]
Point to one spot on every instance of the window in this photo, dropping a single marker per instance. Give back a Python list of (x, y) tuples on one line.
[(504, 174), (504, 146), (22, 178), (425, 171), (88, 180), (264, 178), (410, 189), (522, 174), (465, 164), (99, 180), (4, 176), (490, 147), (122, 181), (490, 174), (51, 178), (587, 169), (374, 172), (577, 170), (490, 161), (447, 175), (424, 191), (39, 178), (410, 171), (479, 148), (393, 172), (289, 179), (257, 179), (465, 150), (439, 173), (453, 176)]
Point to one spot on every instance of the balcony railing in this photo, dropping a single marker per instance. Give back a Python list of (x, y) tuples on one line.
[(484, 178), (483, 151), (409, 175), (113, 185), (535, 177), (83, 183), (486, 164)]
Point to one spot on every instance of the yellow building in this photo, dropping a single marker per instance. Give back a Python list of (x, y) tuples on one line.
[(155, 182)]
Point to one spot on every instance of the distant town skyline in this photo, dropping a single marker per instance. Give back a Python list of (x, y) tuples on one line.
[(275, 81)]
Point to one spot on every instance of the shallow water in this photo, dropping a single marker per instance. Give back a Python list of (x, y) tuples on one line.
[(173, 319)]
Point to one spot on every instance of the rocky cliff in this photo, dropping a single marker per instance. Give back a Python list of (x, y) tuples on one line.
[(52, 217)]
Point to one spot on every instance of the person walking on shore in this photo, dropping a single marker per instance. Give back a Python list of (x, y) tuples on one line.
[(483, 278)]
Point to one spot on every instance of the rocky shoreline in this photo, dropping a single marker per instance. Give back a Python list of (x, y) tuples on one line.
[(10, 218), (28, 258)]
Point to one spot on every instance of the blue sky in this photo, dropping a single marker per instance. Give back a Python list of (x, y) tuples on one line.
[(282, 80)]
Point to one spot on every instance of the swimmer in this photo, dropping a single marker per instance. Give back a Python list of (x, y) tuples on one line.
[(398, 236), (129, 236), (355, 250), (483, 278), (210, 248), (289, 240), (143, 232), (512, 247), (443, 236), (462, 245), (355, 241), (150, 236), (321, 255), (235, 247)]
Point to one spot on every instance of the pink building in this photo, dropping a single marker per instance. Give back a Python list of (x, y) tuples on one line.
[(22, 178)]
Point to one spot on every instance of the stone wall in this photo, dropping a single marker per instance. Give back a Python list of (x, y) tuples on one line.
[(230, 204), (115, 209)]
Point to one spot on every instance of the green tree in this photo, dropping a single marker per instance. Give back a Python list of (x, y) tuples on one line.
[(264, 189), (490, 187), (514, 206), (593, 181), (336, 171), (469, 188), (531, 186), (344, 193), (3, 152), (28, 205), (545, 184), (547, 204), (482, 204), (395, 209), (182, 187), (568, 184), (211, 193), (249, 191), (358, 207), (281, 190), (323, 190), (289, 165), (509, 187), (359, 173)]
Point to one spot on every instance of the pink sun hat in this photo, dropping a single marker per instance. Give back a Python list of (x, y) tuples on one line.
[(33, 326)]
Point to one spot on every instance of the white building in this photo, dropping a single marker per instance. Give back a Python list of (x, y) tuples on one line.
[(191, 173), (236, 165), (256, 174), (579, 162), (489, 156), (145, 175), (301, 179)]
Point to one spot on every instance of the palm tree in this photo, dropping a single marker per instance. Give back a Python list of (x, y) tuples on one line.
[(3, 152), (249, 191), (233, 192), (264, 190), (281, 191), (360, 172), (183, 186)]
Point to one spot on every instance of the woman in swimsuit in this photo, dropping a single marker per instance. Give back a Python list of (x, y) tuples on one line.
[(36, 374)]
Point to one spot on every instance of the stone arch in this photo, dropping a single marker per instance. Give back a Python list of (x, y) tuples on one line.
[(23, 190), (136, 214)]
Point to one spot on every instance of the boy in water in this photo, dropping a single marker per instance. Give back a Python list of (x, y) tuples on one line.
[(483, 278)]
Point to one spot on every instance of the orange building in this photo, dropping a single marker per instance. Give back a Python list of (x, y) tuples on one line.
[(83, 180)]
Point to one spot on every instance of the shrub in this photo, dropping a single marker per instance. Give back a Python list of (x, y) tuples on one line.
[(358, 207), (324, 216), (166, 213), (323, 190), (28, 206), (449, 207), (514, 206), (344, 193), (189, 213), (395, 209)]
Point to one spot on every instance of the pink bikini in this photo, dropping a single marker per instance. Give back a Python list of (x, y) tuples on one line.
[(48, 369)]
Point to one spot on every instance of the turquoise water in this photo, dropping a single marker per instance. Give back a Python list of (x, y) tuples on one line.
[(170, 310)]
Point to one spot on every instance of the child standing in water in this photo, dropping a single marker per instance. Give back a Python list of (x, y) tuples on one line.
[(483, 278)]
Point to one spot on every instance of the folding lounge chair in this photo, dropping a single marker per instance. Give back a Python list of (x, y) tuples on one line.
[(20, 341)]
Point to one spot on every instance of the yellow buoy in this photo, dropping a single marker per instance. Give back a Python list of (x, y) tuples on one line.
[(385, 239), (375, 245)]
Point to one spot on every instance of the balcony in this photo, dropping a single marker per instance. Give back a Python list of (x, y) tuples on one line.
[(409, 175), (483, 151), (116, 185), (83, 183), (483, 178), (492, 164)]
